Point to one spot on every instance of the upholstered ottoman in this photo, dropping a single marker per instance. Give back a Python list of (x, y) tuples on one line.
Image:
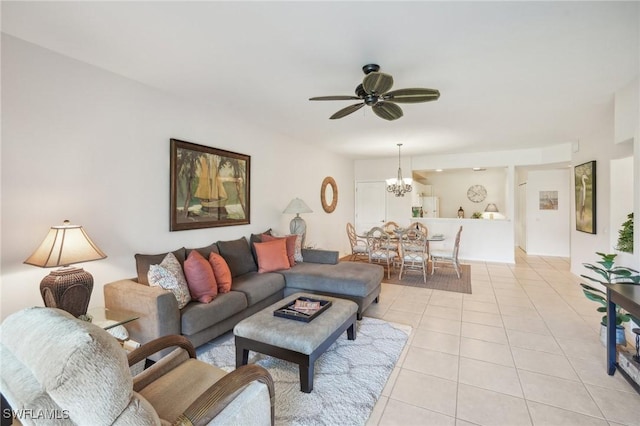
[(295, 341)]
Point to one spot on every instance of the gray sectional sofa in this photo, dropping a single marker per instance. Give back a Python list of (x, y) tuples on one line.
[(320, 273)]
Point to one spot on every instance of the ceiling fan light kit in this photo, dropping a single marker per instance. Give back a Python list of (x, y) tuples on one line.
[(374, 91)]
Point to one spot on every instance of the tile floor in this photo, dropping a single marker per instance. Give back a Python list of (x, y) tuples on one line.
[(523, 349)]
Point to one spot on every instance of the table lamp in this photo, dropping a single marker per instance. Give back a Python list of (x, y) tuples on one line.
[(297, 224), (491, 209), (68, 288)]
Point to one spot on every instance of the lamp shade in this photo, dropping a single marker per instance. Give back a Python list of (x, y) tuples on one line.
[(297, 206), (63, 246), (491, 208)]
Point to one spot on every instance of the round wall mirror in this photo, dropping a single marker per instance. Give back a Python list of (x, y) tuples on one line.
[(329, 194)]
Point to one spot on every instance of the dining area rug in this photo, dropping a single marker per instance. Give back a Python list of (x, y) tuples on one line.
[(444, 278), (349, 376)]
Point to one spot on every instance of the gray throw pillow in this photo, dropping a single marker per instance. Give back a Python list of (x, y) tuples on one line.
[(204, 251), (238, 256), (143, 261)]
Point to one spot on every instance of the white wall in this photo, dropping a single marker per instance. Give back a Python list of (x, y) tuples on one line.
[(621, 196), (451, 186), (601, 148), (87, 145), (626, 110), (548, 231)]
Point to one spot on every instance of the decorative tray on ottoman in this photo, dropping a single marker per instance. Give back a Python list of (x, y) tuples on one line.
[(303, 309)]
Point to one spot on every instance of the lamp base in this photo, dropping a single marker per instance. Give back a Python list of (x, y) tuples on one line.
[(68, 289), (298, 226)]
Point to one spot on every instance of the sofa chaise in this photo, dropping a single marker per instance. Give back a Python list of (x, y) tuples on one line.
[(319, 272)]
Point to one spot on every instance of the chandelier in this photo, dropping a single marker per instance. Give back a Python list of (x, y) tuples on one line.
[(398, 185)]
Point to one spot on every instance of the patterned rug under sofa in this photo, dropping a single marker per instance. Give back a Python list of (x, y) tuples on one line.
[(349, 376)]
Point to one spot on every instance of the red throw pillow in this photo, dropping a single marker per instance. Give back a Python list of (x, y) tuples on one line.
[(221, 271), (200, 278), (272, 255), (291, 245)]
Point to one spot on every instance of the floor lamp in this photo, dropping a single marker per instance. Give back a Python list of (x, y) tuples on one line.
[(298, 225)]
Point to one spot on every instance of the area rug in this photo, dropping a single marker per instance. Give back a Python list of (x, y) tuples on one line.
[(349, 376), (444, 278)]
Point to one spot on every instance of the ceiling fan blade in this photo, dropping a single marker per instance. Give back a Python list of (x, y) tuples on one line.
[(409, 96), (377, 82), (346, 111), (388, 111), (334, 98)]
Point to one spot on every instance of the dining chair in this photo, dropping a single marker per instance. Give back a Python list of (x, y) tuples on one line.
[(390, 227), (359, 248), (445, 257), (380, 249), (414, 253), (393, 230), (420, 227)]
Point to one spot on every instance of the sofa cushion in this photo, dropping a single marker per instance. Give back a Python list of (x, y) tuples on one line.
[(258, 287), (200, 278), (297, 256), (348, 278), (272, 255), (221, 271), (160, 276), (143, 261), (257, 238), (238, 256), (291, 246), (198, 316), (204, 251)]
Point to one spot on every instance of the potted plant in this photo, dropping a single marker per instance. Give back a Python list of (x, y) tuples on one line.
[(625, 235), (611, 274)]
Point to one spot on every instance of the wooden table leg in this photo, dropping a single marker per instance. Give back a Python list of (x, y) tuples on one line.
[(306, 376), (242, 355), (611, 335)]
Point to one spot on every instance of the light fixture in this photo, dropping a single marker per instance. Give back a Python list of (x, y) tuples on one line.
[(491, 209), (398, 185), (67, 288), (297, 224)]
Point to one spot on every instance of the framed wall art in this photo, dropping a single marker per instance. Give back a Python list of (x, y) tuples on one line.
[(209, 187), (585, 189), (548, 200)]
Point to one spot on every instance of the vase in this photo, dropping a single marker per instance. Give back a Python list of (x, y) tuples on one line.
[(621, 339)]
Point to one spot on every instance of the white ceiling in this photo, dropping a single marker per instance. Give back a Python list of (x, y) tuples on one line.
[(511, 74)]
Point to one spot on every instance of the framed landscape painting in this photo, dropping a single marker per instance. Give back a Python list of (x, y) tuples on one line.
[(585, 189), (209, 187)]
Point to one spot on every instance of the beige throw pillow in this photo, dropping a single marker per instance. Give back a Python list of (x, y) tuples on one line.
[(169, 276)]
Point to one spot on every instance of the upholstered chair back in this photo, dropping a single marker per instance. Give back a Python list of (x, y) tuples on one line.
[(74, 372)]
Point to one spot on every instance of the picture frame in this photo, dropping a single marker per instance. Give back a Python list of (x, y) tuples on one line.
[(585, 195), (210, 187), (548, 200)]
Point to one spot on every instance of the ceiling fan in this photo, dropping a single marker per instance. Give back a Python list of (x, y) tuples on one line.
[(375, 92)]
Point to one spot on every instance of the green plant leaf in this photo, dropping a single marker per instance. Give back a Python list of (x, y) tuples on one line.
[(592, 289), (595, 297)]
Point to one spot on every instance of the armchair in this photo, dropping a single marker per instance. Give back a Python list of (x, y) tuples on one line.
[(76, 373)]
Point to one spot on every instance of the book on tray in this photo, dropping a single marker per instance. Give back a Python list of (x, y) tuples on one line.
[(303, 309)]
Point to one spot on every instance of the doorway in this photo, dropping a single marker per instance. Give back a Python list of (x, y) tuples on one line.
[(371, 206)]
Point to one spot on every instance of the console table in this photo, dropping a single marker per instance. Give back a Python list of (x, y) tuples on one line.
[(628, 297)]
